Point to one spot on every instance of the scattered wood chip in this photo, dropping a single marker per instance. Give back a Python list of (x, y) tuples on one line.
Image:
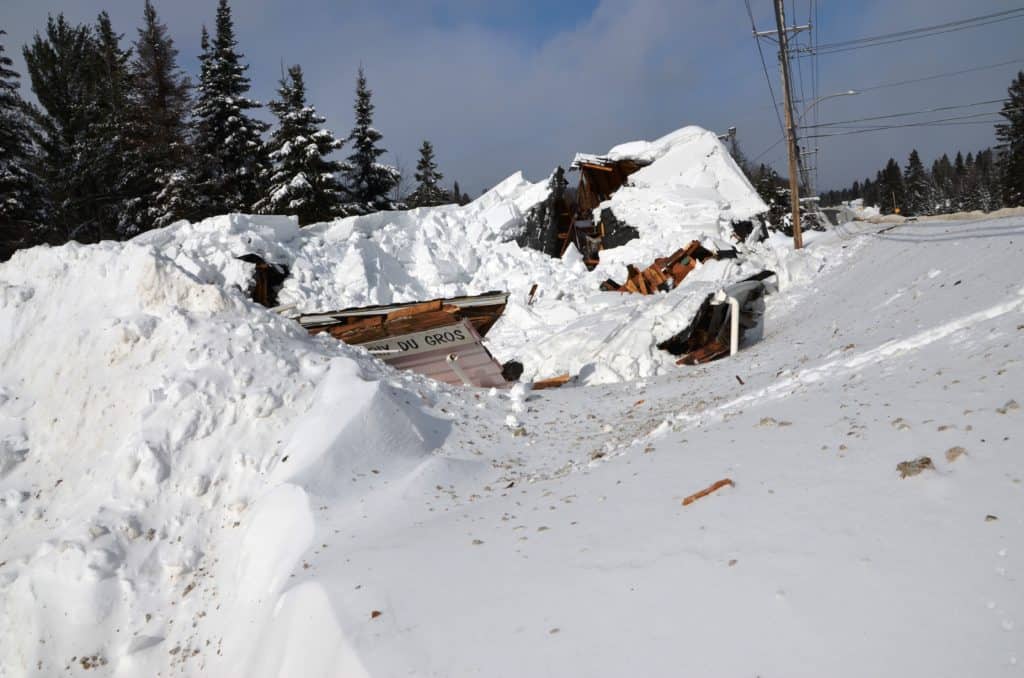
[(375, 613), (953, 453), (990, 518), (1010, 405), (914, 467), (638, 403), (707, 490), (900, 424), (742, 383), (477, 542), (552, 382), (733, 562)]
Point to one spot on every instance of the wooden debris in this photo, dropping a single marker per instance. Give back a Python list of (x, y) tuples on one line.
[(440, 338), (533, 293), (551, 382), (708, 490), (372, 323), (914, 467), (664, 274), (953, 453)]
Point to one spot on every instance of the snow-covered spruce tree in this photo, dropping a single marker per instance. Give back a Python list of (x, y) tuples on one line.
[(159, 109), (302, 181), (230, 157), (918, 188), (18, 196), (1011, 148), (428, 191), (368, 182)]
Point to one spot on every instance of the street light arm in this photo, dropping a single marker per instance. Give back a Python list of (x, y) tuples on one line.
[(847, 93)]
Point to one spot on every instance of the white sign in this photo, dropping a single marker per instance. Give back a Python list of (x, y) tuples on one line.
[(448, 337)]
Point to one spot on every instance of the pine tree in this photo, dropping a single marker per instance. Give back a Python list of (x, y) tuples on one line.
[(456, 194), (919, 191), (890, 188), (368, 182), (62, 68), (230, 153), (302, 181), (107, 143), (18, 196), (159, 110), (428, 192), (943, 179), (1011, 149), (959, 178)]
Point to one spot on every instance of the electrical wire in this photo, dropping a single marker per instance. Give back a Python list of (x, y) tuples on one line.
[(937, 76), (902, 115), (923, 32), (764, 65), (941, 122)]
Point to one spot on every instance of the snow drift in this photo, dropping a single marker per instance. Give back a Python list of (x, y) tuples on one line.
[(160, 439)]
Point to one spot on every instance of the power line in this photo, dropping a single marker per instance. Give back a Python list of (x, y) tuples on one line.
[(937, 76), (941, 122), (764, 65), (918, 33), (901, 115)]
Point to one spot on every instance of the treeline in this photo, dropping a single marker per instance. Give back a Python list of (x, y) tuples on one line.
[(967, 183), (987, 180), (123, 141)]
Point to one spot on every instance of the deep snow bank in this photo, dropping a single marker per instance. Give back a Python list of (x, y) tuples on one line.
[(160, 439)]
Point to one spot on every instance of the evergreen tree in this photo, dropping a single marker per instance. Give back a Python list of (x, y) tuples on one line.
[(368, 182), (230, 154), (18, 197), (159, 109), (1011, 149), (62, 68), (890, 188), (106, 147), (959, 179), (943, 178), (428, 192), (919, 192), (302, 181), (456, 194)]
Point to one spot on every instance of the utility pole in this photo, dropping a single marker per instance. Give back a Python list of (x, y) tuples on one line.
[(794, 179)]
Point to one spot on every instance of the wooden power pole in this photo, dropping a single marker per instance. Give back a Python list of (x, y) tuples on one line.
[(794, 180)]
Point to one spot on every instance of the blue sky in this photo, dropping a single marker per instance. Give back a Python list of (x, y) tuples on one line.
[(499, 87)]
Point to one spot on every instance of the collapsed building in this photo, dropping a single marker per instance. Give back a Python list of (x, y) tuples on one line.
[(644, 219)]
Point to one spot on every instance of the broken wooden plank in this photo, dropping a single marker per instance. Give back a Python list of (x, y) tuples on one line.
[(551, 382), (708, 490), (434, 305)]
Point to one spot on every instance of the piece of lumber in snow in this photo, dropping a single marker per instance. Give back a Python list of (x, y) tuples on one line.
[(434, 305), (707, 490), (551, 382)]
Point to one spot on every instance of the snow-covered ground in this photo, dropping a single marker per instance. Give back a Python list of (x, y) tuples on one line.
[(191, 485)]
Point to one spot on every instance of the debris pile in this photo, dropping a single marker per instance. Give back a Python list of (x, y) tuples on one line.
[(724, 320), (666, 272), (440, 338)]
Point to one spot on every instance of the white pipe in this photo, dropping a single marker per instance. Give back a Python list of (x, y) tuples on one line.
[(734, 325), (734, 319), (453, 362)]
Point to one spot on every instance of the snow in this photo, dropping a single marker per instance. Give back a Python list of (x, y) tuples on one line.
[(690, 190), (191, 485)]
